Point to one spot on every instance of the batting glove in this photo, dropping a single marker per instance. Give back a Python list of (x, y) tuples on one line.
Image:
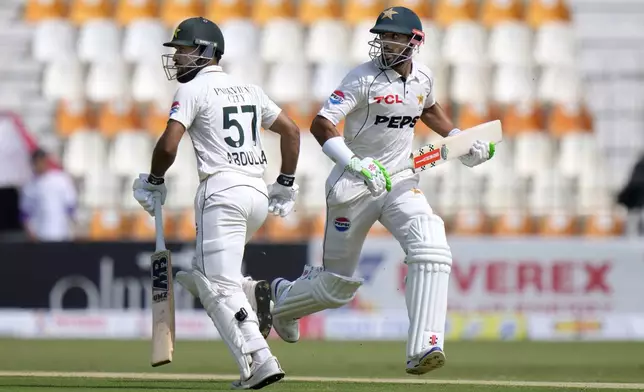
[(282, 195), (375, 175), (479, 152), (147, 189)]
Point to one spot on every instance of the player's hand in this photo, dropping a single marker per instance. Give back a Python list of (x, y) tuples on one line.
[(480, 152), (375, 175), (146, 193), (281, 198)]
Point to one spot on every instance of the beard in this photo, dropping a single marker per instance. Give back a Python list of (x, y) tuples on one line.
[(184, 75)]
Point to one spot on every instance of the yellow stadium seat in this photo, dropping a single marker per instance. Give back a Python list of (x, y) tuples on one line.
[(469, 223), (522, 118), (128, 11), (83, 10), (566, 119), (472, 115), (451, 11), (115, 117), (511, 223), (422, 8), (541, 12), (603, 224), (174, 12), (267, 10), (557, 224), (221, 11), (37, 10), (71, 116), (315, 10), (357, 11), (106, 225), (292, 228), (155, 119), (495, 12)]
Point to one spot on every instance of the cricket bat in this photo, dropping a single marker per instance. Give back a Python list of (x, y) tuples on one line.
[(452, 147), (162, 296)]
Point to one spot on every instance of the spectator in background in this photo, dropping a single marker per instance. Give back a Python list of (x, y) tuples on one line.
[(48, 201), (632, 197)]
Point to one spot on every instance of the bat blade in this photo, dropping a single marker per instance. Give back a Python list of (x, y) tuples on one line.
[(163, 328)]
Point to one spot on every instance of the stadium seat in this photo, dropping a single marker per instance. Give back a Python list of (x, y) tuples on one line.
[(184, 227), (470, 84), (577, 150), (182, 177), (513, 83), (142, 42), (422, 8), (85, 153), (524, 116), (63, 79), (71, 116), (559, 85), (252, 72), (496, 12), (242, 40), (225, 11), (327, 42), (291, 229), (453, 11), (468, 222), (54, 39), (99, 40), (504, 192), (265, 11), (326, 78), (141, 226), (288, 82), (603, 224), (557, 224), (82, 11), (106, 81), (131, 11), (550, 194), (510, 43), (555, 45), (511, 223), (464, 43), (156, 118), (99, 189), (315, 11), (569, 118), (356, 12), (429, 52), (174, 12), (282, 40), (149, 83), (359, 43), (533, 153), (593, 193), (40, 10), (106, 224), (130, 153), (116, 116), (540, 12), (474, 114)]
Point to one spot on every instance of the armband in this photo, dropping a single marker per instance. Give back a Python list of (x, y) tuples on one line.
[(337, 150)]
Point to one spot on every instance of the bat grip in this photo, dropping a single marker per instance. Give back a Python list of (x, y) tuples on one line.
[(158, 224), (402, 168)]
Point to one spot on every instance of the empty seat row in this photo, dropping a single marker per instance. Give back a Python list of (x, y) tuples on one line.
[(445, 12), (327, 41)]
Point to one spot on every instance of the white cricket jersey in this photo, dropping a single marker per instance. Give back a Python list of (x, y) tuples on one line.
[(380, 109), (224, 117)]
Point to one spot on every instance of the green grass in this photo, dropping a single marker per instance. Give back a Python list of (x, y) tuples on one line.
[(520, 361)]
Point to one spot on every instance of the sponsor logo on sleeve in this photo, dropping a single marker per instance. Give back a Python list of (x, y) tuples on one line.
[(337, 97)]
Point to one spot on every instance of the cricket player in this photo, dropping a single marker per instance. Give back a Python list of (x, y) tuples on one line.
[(223, 117), (381, 101)]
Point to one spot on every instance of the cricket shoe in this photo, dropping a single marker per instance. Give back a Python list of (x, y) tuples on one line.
[(288, 330), (266, 373), (427, 361), (258, 293)]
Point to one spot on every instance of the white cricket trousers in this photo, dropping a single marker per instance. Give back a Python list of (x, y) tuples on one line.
[(229, 209)]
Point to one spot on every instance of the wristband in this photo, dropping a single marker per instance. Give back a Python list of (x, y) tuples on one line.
[(336, 149), (154, 180), (285, 179)]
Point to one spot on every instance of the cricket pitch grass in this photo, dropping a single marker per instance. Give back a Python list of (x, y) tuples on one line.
[(89, 365)]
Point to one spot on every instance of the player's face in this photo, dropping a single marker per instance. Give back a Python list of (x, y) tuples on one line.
[(184, 63), (390, 49), (393, 45)]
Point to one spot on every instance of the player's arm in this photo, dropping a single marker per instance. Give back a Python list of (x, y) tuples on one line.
[(436, 119), (166, 148), (289, 142)]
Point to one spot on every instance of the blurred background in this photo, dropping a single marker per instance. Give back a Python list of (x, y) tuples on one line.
[(546, 236)]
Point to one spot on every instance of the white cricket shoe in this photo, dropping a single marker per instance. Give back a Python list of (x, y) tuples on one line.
[(258, 293), (266, 373), (288, 330), (426, 361)]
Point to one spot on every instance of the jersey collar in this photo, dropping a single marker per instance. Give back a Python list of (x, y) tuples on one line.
[(393, 75), (210, 68)]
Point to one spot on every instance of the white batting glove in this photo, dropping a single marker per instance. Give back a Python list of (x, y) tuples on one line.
[(375, 175), (282, 195), (147, 189), (479, 152)]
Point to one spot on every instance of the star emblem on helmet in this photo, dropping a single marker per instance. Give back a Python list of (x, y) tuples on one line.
[(176, 32), (389, 13)]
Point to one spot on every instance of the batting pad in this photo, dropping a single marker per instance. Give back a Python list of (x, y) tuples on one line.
[(429, 263), (314, 291), (238, 329)]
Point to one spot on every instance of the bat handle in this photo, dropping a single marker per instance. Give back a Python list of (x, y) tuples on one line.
[(158, 224), (400, 169)]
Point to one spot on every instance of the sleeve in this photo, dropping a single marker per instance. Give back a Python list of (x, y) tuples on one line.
[(430, 100), (184, 105), (270, 110), (346, 97)]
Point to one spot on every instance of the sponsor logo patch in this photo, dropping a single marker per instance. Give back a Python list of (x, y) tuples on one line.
[(337, 97), (342, 224), (175, 107)]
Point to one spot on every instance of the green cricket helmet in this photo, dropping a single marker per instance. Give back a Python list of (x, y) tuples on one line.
[(387, 53), (201, 34)]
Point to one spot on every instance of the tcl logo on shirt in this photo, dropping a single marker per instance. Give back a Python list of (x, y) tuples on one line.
[(396, 121), (389, 99)]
